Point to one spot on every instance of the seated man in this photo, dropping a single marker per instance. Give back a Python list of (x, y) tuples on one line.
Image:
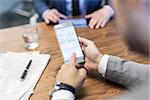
[(127, 73), (98, 11)]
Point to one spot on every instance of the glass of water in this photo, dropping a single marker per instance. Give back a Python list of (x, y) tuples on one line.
[(30, 37)]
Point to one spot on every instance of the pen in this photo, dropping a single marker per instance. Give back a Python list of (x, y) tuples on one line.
[(25, 72)]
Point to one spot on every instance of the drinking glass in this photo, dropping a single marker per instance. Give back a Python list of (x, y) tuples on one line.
[(30, 37)]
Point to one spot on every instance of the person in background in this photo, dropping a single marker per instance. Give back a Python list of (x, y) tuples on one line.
[(98, 11), (134, 76)]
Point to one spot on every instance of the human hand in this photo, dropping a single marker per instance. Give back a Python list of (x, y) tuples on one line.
[(99, 18), (92, 54), (52, 15), (70, 75)]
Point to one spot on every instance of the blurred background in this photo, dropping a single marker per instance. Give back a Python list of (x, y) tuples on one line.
[(15, 12)]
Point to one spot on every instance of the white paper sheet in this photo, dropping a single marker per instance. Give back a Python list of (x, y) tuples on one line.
[(13, 65)]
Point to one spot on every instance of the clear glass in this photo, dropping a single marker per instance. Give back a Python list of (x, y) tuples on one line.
[(30, 37)]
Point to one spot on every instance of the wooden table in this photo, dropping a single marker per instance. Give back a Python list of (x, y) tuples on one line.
[(95, 87)]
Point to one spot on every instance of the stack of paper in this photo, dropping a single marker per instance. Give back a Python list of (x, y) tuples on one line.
[(12, 66)]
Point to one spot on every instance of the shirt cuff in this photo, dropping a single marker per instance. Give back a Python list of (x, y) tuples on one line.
[(103, 65), (63, 95), (109, 8)]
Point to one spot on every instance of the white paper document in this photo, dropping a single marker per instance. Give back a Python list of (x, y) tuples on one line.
[(12, 66)]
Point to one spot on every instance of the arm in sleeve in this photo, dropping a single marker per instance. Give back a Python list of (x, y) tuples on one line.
[(40, 6), (125, 72), (103, 65), (106, 4)]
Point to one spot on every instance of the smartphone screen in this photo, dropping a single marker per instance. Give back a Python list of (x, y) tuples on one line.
[(68, 42), (77, 22)]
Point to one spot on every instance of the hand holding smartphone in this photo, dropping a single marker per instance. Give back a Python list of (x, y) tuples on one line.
[(68, 42)]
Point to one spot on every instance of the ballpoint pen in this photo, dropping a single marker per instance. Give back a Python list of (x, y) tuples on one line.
[(25, 72)]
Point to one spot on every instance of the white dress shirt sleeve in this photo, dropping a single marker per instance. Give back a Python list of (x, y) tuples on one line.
[(63, 95), (103, 65), (109, 8)]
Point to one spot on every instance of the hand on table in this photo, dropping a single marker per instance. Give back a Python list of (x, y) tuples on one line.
[(52, 15), (99, 18), (70, 75), (92, 54)]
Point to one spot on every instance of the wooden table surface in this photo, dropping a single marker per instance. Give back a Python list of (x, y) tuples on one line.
[(108, 40)]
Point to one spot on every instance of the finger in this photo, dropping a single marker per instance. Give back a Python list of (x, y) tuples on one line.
[(51, 18), (62, 16), (72, 59), (55, 17), (83, 46), (98, 24), (86, 70), (86, 61), (46, 20), (78, 66), (62, 66), (84, 50), (93, 22), (82, 73), (56, 12), (103, 23), (87, 66), (88, 16), (84, 41)]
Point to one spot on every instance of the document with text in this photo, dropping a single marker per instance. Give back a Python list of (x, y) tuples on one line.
[(12, 66)]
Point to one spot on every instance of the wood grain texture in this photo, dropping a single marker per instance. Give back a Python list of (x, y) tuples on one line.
[(108, 40)]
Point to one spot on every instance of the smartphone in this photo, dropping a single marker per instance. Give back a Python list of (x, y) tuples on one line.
[(68, 42), (77, 22)]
